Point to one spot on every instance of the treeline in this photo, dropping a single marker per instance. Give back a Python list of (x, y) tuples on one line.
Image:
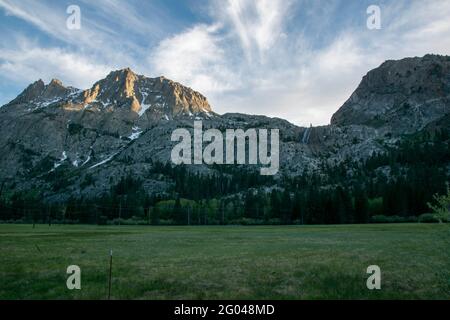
[(393, 186), (226, 179)]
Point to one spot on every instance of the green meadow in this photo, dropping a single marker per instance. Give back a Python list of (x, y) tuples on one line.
[(218, 262)]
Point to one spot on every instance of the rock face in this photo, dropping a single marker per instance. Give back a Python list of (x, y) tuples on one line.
[(39, 94), (400, 96), (157, 96), (123, 124)]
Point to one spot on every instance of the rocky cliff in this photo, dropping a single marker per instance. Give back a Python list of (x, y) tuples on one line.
[(400, 96)]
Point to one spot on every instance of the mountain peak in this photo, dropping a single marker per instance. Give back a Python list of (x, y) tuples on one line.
[(164, 97), (118, 88), (397, 91), (56, 82), (121, 74), (39, 82), (38, 91)]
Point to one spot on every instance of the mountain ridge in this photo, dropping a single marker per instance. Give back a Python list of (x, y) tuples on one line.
[(55, 138), (120, 88)]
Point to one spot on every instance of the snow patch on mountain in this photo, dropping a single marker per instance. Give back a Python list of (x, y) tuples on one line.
[(136, 133)]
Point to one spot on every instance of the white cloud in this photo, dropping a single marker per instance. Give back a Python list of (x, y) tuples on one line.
[(194, 58), (28, 62)]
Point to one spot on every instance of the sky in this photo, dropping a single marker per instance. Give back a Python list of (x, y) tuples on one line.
[(299, 60)]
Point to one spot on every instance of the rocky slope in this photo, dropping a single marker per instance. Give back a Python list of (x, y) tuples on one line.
[(400, 96), (69, 142)]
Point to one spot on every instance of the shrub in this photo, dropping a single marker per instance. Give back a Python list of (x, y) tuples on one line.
[(379, 219), (71, 221), (166, 222), (274, 221), (441, 207), (392, 219), (428, 218), (117, 221), (246, 222)]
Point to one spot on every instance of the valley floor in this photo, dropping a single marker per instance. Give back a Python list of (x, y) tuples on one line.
[(266, 262)]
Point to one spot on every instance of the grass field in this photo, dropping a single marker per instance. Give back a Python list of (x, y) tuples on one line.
[(286, 262)]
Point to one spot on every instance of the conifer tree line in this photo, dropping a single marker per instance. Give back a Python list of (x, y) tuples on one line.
[(394, 186)]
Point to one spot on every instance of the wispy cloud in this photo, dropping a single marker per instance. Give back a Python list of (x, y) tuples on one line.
[(258, 24), (196, 58), (47, 19), (109, 28), (28, 62), (78, 57), (24, 13)]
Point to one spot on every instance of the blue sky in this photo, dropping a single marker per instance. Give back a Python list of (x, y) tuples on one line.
[(295, 59)]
